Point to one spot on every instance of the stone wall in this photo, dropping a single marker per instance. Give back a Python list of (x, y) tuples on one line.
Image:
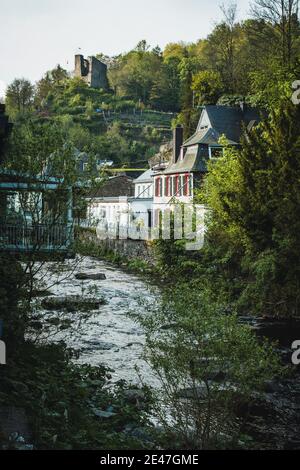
[(92, 71), (131, 249)]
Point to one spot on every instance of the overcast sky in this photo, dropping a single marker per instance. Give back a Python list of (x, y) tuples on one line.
[(36, 35)]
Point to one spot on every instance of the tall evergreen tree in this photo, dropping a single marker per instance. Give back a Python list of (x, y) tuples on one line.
[(253, 237)]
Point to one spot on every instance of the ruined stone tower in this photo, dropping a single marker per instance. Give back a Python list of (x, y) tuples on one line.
[(92, 71)]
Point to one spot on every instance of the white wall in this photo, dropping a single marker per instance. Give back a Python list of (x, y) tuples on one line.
[(204, 120), (143, 190), (179, 196), (109, 212), (139, 211)]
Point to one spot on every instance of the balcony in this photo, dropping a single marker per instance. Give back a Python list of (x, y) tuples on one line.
[(34, 238), (36, 213)]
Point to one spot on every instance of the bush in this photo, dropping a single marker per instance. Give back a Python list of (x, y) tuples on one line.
[(11, 281), (125, 105), (208, 364), (64, 401)]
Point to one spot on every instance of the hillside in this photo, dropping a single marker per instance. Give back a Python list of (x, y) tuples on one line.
[(112, 127)]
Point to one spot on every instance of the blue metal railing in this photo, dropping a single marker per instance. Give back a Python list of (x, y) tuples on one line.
[(37, 237)]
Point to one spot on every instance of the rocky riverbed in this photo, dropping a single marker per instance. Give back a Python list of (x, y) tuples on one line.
[(107, 334)]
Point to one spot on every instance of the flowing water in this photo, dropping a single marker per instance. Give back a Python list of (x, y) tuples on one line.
[(108, 335)]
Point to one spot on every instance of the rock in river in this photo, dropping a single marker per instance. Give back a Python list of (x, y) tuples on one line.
[(104, 414), (72, 303), (41, 293), (93, 277)]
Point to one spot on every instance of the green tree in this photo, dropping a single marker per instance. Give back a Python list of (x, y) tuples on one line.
[(254, 196), (19, 96), (166, 88), (89, 109), (51, 79), (134, 73), (187, 114), (283, 16), (58, 74), (207, 86), (208, 366), (222, 46)]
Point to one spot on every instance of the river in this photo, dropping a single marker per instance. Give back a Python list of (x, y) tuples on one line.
[(108, 335)]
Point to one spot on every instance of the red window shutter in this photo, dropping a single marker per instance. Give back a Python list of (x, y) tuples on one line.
[(157, 187)]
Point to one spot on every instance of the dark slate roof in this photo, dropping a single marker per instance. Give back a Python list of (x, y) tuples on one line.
[(224, 120), (13, 176), (145, 177), (194, 160), (206, 137), (227, 120), (117, 186)]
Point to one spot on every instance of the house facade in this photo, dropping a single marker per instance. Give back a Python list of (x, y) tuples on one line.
[(177, 181), (36, 214), (131, 208), (141, 204), (109, 205), (173, 181)]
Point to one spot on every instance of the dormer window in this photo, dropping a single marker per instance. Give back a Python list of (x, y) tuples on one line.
[(215, 152)]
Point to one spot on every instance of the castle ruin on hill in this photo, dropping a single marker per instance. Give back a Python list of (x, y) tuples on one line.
[(92, 71)]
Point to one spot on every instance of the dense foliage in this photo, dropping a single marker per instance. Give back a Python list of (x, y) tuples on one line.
[(252, 60), (209, 367), (254, 195)]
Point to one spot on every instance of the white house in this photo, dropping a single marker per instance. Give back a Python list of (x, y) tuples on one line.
[(173, 181), (142, 202), (109, 206), (176, 181)]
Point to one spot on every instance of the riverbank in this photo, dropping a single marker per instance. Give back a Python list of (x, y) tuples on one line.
[(273, 416), (133, 256), (68, 399), (51, 400), (48, 402)]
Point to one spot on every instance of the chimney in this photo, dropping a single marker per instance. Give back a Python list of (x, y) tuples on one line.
[(177, 142)]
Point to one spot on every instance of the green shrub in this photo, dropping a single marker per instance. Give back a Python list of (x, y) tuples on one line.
[(209, 367)]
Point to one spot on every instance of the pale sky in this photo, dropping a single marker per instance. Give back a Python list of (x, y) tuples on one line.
[(36, 35)]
